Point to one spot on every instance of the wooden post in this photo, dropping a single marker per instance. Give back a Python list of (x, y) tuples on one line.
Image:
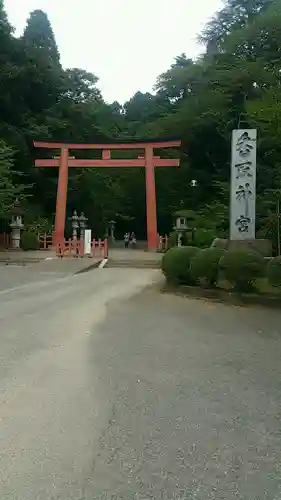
[(61, 196), (105, 248), (151, 215)]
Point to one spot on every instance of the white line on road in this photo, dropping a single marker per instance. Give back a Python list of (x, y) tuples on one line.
[(31, 285)]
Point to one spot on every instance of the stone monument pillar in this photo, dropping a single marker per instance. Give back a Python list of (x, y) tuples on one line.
[(243, 192), (243, 185)]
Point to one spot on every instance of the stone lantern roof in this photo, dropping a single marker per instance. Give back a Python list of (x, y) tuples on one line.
[(186, 214), (17, 208)]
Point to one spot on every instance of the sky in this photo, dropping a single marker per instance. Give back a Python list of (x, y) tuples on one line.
[(126, 43)]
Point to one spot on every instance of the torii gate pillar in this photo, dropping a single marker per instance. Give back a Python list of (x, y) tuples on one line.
[(151, 212), (61, 196)]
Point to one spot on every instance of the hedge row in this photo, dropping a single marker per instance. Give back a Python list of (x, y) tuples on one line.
[(240, 267)]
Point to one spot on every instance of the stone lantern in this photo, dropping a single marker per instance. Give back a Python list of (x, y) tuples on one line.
[(111, 228), (75, 225), (16, 226), (180, 228), (83, 225), (183, 225)]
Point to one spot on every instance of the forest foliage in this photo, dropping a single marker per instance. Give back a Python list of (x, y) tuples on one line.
[(234, 83)]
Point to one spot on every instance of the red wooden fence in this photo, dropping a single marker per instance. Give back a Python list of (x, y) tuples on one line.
[(163, 242), (99, 248), (5, 240), (46, 241), (75, 248)]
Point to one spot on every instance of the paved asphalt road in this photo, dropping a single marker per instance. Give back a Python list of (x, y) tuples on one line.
[(109, 390)]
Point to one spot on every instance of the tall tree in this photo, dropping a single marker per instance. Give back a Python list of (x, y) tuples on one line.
[(39, 34), (7, 64), (42, 68), (81, 86), (10, 192), (234, 15), (174, 84), (5, 27)]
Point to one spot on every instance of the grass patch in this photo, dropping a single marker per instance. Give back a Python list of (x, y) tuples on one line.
[(264, 295), (261, 287)]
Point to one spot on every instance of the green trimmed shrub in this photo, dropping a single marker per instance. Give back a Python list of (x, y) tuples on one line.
[(176, 265), (172, 240), (273, 271), (29, 241), (203, 237), (241, 268), (205, 265)]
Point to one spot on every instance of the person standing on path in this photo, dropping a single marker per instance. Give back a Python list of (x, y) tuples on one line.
[(133, 240), (126, 240)]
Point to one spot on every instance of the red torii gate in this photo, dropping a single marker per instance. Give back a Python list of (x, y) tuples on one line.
[(148, 161)]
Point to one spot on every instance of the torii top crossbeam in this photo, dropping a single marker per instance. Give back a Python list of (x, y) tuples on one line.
[(148, 160), (115, 145)]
